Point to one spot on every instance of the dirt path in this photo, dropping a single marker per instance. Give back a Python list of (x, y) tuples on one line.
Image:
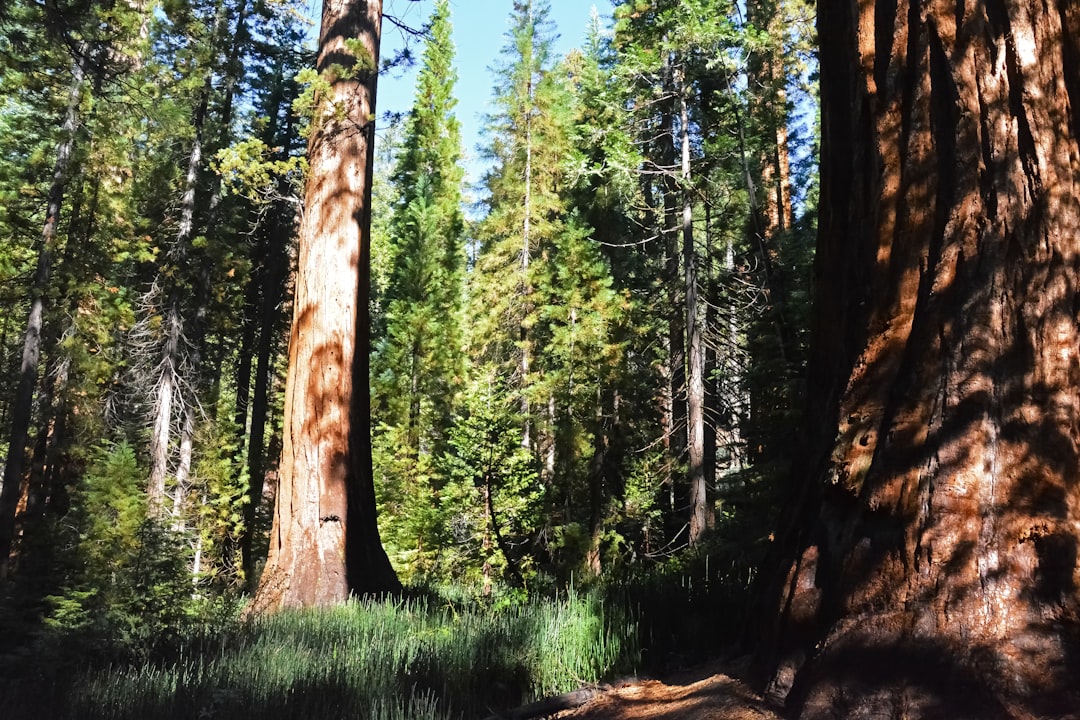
[(709, 692)]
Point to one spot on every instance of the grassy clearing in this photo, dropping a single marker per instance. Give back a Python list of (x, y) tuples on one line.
[(420, 658)]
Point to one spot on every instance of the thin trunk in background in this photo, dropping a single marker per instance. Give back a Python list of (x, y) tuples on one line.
[(695, 385), (675, 393), (526, 255), (166, 387), (272, 294), (198, 314), (22, 407)]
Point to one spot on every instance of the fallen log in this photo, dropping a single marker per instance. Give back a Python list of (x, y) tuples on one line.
[(549, 705), (558, 703)]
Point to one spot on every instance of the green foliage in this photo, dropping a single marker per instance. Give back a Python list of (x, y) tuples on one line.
[(217, 501), (495, 486), (307, 104), (314, 102), (126, 581), (412, 510), (418, 366), (251, 168)]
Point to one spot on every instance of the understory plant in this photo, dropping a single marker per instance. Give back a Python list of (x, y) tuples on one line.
[(423, 657)]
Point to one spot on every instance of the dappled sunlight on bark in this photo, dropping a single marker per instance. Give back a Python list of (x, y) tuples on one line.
[(321, 544), (947, 506)]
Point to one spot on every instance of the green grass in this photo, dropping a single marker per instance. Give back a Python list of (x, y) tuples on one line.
[(420, 658)]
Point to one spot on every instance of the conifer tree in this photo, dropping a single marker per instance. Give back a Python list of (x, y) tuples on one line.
[(683, 62), (86, 48), (548, 330), (418, 365), (622, 414), (22, 406), (527, 140), (178, 296), (658, 51), (525, 214)]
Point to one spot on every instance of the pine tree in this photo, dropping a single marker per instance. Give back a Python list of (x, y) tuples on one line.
[(524, 209), (212, 37), (90, 47), (525, 215), (549, 331), (606, 192), (625, 196)]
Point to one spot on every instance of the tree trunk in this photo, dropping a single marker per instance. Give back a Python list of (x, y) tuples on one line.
[(52, 431), (22, 407), (774, 351), (598, 476), (183, 468), (695, 381), (164, 394), (713, 386), (168, 369), (246, 352), (325, 540), (512, 570), (930, 567), (272, 293), (526, 254), (767, 76), (675, 410), (198, 313)]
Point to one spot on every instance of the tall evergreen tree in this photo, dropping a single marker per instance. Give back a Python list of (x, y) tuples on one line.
[(547, 311), (525, 215), (606, 191), (212, 37), (525, 212), (418, 366), (89, 46), (661, 44)]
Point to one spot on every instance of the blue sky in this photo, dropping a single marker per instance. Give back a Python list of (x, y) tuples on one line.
[(479, 34)]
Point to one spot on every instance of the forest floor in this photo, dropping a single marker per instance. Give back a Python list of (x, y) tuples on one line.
[(708, 692)]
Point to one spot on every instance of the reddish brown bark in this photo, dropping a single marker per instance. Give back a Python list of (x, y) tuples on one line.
[(767, 74), (932, 560), (325, 541)]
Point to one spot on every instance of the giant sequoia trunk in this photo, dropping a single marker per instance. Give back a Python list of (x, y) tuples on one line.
[(931, 567), (325, 541)]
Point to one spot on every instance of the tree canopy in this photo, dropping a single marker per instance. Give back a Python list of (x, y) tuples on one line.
[(694, 333)]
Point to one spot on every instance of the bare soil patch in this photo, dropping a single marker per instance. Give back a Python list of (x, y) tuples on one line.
[(708, 692)]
